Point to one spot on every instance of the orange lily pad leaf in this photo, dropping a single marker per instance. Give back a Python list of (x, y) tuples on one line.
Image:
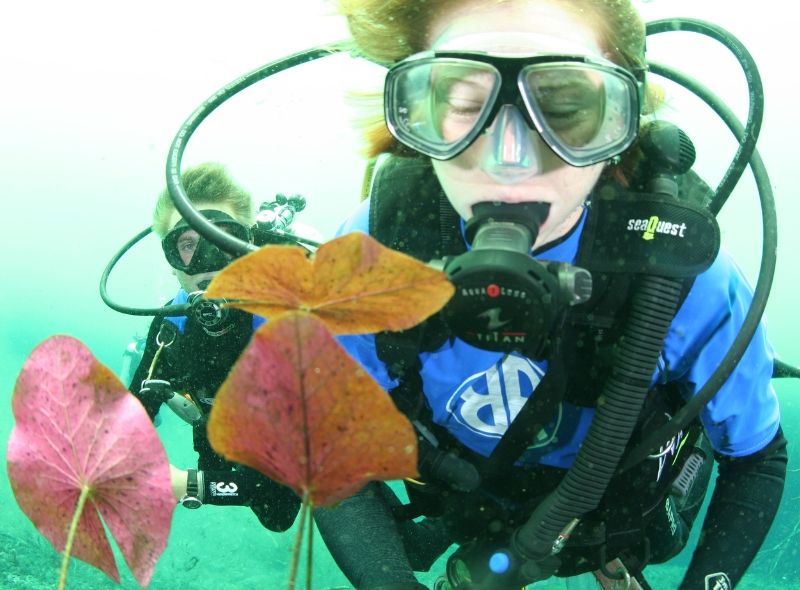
[(353, 283), (299, 409), (78, 427)]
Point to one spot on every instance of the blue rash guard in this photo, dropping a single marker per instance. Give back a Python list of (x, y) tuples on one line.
[(476, 394)]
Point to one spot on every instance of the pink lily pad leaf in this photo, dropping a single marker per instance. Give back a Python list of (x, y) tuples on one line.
[(78, 427)]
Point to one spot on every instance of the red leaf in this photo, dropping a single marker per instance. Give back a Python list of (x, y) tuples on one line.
[(77, 426), (299, 409)]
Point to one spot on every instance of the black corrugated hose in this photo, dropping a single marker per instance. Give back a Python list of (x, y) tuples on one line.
[(653, 306)]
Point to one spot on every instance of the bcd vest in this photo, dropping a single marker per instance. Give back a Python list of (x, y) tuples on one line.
[(409, 212)]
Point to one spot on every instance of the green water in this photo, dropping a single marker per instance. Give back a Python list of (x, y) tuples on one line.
[(84, 136)]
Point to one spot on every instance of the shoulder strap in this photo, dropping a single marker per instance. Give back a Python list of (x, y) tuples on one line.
[(529, 421), (409, 211)]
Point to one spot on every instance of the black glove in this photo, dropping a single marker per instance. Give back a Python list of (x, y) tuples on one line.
[(275, 505), (437, 465), (488, 566), (155, 391), (533, 571)]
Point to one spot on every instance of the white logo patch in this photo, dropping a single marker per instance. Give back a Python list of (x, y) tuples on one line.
[(488, 402), (221, 488), (718, 581)]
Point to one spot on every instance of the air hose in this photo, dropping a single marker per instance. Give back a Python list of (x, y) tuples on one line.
[(652, 308), (203, 226), (654, 304), (746, 154), (167, 310)]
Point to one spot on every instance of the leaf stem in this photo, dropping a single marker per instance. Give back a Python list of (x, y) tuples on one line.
[(73, 527), (310, 545), (298, 540)]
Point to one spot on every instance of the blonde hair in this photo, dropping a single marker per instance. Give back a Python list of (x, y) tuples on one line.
[(205, 183), (387, 31)]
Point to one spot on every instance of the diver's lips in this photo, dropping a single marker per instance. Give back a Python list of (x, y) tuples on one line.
[(203, 285), (518, 201)]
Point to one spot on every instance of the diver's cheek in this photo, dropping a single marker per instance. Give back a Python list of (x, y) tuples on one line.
[(459, 184), (572, 188), (578, 183)]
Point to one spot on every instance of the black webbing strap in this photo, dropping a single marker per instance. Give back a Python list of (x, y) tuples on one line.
[(531, 419)]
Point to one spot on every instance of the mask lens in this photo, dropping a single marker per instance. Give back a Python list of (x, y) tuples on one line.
[(586, 113), (183, 246), (237, 230), (438, 106), (186, 245)]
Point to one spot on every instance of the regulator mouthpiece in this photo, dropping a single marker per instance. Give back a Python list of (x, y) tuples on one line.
[(505, 300)]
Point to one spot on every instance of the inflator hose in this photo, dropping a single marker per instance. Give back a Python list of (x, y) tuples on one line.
[(755, 90), (221, 239), (653, 307), (167, 310)]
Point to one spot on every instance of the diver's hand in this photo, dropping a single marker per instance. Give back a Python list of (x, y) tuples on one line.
[(532, 571), (155, 391), (487, 566), (626, 581), (437, 465)]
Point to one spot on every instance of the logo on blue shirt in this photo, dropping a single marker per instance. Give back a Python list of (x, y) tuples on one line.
[(487, 402)]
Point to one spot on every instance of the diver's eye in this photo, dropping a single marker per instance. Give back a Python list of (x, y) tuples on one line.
[(187, 245)]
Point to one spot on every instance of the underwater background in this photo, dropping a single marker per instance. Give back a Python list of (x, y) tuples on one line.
[(93, 95)]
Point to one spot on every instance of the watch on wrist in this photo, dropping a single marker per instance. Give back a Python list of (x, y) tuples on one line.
[(191, 498)]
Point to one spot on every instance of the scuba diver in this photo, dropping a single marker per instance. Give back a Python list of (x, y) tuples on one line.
[(600, 353), (592, 304), (187, 355)]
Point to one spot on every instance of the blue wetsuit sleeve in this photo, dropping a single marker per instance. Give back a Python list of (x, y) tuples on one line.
[(743, 417)]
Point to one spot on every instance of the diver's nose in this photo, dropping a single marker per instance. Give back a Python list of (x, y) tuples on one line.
[(513, 151)]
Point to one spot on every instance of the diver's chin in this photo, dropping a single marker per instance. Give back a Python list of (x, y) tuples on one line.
[(548, 234)]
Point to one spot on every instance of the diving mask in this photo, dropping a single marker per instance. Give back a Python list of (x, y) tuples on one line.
[(187, 251), (586, 109)]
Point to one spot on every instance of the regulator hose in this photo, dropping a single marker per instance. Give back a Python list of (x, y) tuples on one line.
[(653, 307)]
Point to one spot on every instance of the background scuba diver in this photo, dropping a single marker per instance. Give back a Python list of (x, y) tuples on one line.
[(545, 129), (199, 350)]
